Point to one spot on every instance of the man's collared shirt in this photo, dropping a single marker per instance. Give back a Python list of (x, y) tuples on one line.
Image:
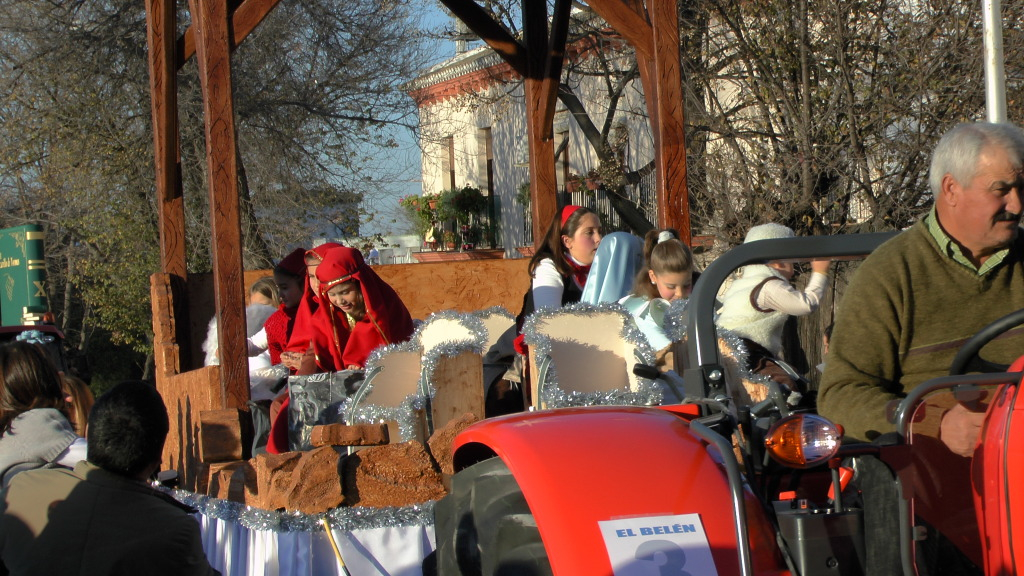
[(953, 250)]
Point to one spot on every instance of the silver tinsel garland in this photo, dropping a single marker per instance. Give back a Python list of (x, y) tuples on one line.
[(472, 339), (474, 343), (499, 310), (677, 318), (345, 518), (730, 344), (357, 412), (647, 392)]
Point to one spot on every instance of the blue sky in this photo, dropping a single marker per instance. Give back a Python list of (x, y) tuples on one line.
[(405, 158)]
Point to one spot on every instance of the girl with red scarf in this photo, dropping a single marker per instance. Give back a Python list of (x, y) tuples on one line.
[(560, 265), (363, 313), (559, 269)]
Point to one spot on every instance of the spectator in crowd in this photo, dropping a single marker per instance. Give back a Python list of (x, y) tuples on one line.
[(34, 428), (103, 517), (79, 399)]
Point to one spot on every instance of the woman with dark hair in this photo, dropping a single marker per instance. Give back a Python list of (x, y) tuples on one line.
[(560, 265), (559, 270), (34, 428)]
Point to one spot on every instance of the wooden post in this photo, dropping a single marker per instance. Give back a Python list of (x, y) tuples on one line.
[(673, 198), (654, 33), (163, 86), (210, 24)]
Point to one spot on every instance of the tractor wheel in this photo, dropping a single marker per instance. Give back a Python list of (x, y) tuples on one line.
[(484, 527)]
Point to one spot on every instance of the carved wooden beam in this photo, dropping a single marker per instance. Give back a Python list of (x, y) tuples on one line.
[(245, 17), (628, 18), (163, 88), (210, 19)]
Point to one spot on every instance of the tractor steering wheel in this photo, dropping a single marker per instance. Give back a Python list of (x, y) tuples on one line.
[(969, 355)]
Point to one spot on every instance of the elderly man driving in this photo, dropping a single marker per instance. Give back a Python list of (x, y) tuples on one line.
[(910, 307), (920, 296)]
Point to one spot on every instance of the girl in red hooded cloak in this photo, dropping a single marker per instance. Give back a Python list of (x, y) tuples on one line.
[(305, 342), (361, 311)]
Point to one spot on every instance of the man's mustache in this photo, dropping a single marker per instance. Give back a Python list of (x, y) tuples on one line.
[(1008, 217)]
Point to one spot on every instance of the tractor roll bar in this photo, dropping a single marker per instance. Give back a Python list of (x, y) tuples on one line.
[(703, 378)]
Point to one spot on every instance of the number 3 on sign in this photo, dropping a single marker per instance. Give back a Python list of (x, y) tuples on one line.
[(658, 546)]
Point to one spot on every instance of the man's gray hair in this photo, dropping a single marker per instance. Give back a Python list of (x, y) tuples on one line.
[(959, 150)]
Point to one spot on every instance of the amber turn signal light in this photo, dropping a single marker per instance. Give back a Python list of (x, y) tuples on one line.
[(803, 440)]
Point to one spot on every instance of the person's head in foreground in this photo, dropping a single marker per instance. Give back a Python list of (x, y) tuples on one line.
[(127, 429)]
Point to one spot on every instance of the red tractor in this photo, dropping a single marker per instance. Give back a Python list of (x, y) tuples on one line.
[(711, 487)]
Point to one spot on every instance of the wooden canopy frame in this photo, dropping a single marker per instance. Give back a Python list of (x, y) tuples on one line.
[(218, 26)]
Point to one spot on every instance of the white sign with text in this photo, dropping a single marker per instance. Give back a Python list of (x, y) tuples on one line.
[(658, 546)]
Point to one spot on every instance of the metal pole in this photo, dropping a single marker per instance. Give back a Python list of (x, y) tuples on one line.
[(995, 76)]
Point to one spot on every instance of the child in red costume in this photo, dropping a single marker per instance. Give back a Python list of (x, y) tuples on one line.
[(364, 312), (290, 277), (342, 336), (306, 340)]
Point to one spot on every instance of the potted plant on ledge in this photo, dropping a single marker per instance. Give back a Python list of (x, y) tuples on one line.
[(449, 239), (461, 203)]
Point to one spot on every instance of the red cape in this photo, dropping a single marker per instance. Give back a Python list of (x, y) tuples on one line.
[(387, 320)]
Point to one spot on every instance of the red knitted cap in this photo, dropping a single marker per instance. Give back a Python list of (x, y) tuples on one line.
[(294, 263)]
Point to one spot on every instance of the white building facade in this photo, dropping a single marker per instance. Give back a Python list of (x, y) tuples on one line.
[(473, 132)]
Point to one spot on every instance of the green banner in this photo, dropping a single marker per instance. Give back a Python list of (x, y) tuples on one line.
[(22, 275)]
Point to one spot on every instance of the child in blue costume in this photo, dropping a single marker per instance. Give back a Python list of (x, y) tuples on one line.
[(667, 276)]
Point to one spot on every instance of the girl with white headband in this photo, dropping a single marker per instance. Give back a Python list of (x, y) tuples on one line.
[(666, 276)]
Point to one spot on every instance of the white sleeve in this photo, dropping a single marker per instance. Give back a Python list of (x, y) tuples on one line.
[(784, 297), (258, 342), (547, 286), (72, 454)]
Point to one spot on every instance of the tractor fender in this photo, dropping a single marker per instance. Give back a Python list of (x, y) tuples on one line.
[(580, 466), (997, 467)]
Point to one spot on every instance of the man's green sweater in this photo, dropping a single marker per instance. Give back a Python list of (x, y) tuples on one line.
[(907, 311)]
